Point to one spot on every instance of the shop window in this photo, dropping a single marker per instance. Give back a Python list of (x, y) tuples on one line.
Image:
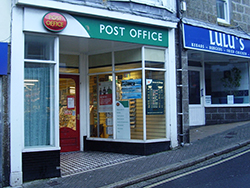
[(38, 104), (69, 63), (116, 96), (155, 105), (128, 59), (227, 83), (129, 92), (222, 11), (39, 91), (101, 106), (40, 48), (154, 58), (100, 63)]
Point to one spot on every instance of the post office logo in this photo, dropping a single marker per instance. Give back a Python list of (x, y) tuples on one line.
[(54, 21)]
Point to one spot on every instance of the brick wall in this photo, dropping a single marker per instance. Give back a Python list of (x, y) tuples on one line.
[(219, 115)]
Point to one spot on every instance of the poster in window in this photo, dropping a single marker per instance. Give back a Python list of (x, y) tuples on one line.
[(131, 89), (105, 97), (154, 97), (70, 102)]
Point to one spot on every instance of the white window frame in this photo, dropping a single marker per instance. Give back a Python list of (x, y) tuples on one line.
[(226, 12), (168, 4), (54, 130)]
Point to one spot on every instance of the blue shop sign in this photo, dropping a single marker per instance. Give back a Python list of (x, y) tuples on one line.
[(214, 41), (3, 58)]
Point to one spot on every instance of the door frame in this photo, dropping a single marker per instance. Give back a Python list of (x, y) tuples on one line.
[(76, 78), (198, 109)]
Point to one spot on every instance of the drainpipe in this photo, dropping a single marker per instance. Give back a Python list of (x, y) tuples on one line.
[(179, 70)]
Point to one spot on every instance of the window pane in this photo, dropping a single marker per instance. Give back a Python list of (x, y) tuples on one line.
[(100, 63), (129, 92), (155, 105), (227, 83), (101, 106), (194, 87), (154, 58), (69, 63), (221, 5), (40, 48), (38, 104), (128, 59)]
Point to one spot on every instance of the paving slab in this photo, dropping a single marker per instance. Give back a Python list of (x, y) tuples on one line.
[(138, 169)]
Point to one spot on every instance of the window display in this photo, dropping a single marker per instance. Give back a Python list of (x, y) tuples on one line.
[(124, 118), (227, 83)]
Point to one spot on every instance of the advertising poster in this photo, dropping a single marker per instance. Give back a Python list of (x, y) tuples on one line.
[(105, 97), (122, 120), (154, 97), (131, 89)]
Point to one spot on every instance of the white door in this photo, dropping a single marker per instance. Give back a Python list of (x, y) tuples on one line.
[(196, 93)]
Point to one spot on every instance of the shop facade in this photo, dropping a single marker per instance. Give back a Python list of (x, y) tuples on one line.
[(218, 70), (88, 82)]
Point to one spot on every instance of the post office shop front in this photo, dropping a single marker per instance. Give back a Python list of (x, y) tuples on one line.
[(96, 84), (218, 70)]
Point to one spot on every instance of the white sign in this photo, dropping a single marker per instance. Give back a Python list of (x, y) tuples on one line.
[(230, 99), (122, 120), (208, 99)]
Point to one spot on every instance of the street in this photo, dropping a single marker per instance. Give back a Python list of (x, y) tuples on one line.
[(229, 172)]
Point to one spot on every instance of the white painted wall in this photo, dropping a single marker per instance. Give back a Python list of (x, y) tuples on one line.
[(5, 10)]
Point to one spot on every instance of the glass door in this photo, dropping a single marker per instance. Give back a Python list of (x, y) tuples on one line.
[(69, 113), (196, 107)]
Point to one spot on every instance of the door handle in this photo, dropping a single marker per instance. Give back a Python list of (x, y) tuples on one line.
[(78, 116), (202, 92)]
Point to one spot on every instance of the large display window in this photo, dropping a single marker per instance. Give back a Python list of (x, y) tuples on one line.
[(128, 103), (227, 83)]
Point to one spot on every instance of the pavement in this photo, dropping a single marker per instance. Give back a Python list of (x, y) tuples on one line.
[(206, 142)]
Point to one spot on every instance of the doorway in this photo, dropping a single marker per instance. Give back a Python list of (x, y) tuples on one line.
[(69, 113), (196, 93)]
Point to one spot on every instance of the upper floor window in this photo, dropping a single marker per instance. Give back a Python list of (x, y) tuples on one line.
[(222, 11)]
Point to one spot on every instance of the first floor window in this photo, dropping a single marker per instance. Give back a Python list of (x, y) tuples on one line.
[(38, 103), (222, 10)]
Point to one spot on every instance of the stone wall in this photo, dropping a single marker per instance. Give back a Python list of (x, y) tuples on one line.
[(205, 10), (4, 130), (139, 9), (219, 115)]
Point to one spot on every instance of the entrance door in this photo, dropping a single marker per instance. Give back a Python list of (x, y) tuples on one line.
[(196, 107), (69, 113)]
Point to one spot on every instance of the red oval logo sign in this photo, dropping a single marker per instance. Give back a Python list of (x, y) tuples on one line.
[(54, 21)]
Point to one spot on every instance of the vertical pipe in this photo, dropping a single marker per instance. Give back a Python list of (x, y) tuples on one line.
[(180, 72)]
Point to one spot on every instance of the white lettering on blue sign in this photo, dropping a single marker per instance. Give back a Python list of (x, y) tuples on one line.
[(215, 41)]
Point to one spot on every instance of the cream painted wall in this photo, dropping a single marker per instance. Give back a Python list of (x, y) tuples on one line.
[(5, 19)]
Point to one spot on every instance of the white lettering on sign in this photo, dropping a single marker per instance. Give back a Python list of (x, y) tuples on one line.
[(112, 30), (134, 33), (224, 40), (145, 34)]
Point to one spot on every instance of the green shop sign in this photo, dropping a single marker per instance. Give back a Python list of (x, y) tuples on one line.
[(125, 32)]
